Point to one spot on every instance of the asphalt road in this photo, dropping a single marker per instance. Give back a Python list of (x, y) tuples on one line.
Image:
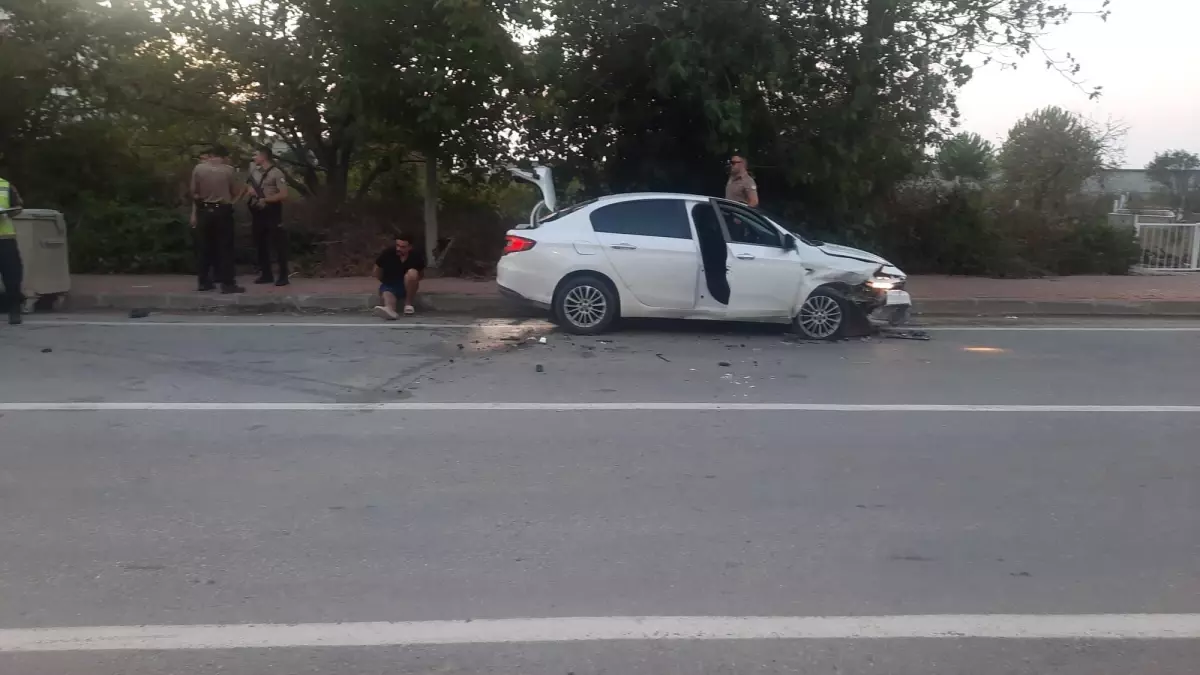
[(1055, 482)]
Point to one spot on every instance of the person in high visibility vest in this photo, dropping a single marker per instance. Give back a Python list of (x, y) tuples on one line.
[(11, 269)]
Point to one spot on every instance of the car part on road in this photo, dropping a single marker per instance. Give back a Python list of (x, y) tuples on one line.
[(585, 305), (906, 334)]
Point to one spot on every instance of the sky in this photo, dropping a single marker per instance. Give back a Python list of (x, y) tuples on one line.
[(1144, 59)]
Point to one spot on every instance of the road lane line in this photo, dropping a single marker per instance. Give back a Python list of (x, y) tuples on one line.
[(1059, 329), (156, 406), (395, 325), (590, 629), (538, 323)]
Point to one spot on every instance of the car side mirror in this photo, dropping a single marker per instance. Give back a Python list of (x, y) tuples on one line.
[(789, 242)]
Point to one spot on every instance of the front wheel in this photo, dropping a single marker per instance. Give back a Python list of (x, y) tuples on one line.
[(822, 316), (585, 305)]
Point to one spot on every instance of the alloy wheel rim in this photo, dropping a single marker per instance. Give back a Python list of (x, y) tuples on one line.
[(585, 306), (820, 316)]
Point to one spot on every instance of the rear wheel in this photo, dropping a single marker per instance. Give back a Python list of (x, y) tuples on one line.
[(585, 305), (822, 316)]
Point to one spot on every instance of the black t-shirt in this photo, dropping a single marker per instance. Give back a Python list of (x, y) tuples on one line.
[(394, 268)]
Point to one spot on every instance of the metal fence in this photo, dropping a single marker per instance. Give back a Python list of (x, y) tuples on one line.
[(1171, 247)]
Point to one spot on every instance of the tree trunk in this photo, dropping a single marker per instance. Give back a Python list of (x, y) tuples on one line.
[(431, 201)]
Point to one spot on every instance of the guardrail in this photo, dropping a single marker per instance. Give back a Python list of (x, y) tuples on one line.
[(1173, 247)]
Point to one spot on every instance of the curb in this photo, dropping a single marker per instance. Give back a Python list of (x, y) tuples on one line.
[(482, 305), (495, 306)]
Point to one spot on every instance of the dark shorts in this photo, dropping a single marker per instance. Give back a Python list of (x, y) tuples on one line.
[(397, 291)]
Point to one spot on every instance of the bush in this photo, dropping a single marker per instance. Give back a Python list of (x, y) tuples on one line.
[(112, 238), (939, 227), (1084, 244), (947, 227)]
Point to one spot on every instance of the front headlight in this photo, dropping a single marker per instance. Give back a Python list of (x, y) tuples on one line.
[(882, 281)]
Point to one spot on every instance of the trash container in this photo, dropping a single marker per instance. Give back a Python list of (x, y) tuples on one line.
[(42, 240)]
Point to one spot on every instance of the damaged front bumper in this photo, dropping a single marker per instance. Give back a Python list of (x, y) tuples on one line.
[(883, 299)]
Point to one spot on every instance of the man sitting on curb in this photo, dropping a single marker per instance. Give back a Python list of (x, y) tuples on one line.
[(399, 271)]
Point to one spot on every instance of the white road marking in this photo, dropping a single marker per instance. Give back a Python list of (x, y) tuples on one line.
[(149, 406), (1059, 329), (538, 323), (396, 325), (591, 629)]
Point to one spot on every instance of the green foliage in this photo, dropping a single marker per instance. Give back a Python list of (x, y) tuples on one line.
[(120, 238), (937, 226), (835, 102), (1179, 172), (1050, 153), (966, 156)]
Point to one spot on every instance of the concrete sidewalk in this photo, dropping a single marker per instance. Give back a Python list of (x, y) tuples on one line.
[(1177, 295)]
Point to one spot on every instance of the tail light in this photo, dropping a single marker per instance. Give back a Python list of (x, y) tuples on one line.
[(515, 244)]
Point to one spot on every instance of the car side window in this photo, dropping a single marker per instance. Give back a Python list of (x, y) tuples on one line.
[(645, 217), (746, 228)]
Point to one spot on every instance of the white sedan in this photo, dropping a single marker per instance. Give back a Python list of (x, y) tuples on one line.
[(691, 257)]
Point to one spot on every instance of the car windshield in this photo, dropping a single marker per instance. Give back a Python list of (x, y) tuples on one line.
[(789, 227)]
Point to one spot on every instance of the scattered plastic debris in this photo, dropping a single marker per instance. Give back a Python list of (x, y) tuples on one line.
[(907, 335), (542, 340)]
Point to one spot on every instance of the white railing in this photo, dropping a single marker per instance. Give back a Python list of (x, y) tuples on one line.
[(1173, 247)]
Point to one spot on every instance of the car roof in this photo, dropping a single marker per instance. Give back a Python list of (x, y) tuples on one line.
[(650, 195)]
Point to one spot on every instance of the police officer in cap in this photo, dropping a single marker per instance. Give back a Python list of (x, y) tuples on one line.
[(741, 187), (215, 188)]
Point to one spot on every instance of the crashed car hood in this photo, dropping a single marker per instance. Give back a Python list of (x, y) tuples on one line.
[(852, 253)]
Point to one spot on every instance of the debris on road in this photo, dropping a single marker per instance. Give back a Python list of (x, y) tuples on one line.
[(47, 350), (907, 335), (542, 340), (139, 313), (540, 368), (723, 364), (663, 358)]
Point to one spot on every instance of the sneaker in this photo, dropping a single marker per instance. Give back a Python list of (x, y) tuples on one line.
[(15, 318), (409, 310), (282, 282), (385, 313), (226, 289), (205, 287), (264, 280)]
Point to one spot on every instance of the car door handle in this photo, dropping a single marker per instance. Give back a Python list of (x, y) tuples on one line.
[(624, 247), (745, 256)]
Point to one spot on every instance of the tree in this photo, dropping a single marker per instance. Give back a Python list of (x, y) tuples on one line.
[(833, 100), (967, 156), (1175, 170), (93, 105), (1051, 152), (443, 76)]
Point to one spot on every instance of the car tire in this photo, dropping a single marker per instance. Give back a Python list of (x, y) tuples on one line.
[(585, 305), (823, 316)]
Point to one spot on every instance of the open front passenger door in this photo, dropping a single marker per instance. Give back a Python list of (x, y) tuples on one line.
[(766, 274)]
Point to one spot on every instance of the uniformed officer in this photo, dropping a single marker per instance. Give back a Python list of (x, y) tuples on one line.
[(11, 269), (741, 187), (268, 189), (215, 188)]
